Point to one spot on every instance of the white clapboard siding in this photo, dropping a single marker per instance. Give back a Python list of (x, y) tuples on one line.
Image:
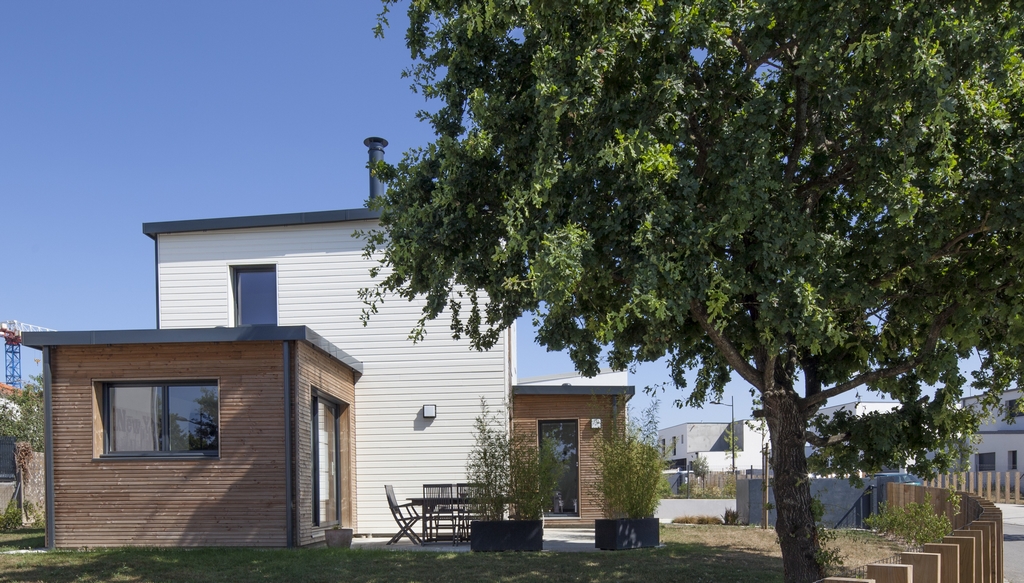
[(320, 269)]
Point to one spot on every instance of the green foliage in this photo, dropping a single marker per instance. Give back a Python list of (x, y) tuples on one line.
[(801, 194), (11, 518), (509, 474), (21, 414), (916, 523), (699, 467), (731, 517), (629, 467), (533, 479)]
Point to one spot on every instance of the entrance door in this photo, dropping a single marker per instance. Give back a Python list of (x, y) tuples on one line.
[(326, 462), (565, 435)]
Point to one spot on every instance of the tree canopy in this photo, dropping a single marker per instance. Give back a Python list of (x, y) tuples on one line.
[(818, 196)]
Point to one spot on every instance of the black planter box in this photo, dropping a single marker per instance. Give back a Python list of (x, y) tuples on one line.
[(506, 535), (626, 533)]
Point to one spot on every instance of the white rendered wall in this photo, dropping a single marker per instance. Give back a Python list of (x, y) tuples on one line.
[(320, 269)]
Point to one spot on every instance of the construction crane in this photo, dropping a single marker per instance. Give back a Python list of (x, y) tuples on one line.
[(11, 330)]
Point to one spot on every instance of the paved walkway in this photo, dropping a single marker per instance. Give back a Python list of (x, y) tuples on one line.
[(566, 540), (1013, 542)]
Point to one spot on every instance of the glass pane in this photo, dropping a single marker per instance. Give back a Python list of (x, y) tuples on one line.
[(327, 447), (192, 411), (564, 435), (135, 418), (256, 295)]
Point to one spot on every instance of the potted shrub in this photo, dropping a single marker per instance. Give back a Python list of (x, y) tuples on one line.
[(511, 479), (338, 538), (629, 466)]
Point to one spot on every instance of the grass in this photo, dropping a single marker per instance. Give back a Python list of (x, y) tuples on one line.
[(23, 538), (691, 553)]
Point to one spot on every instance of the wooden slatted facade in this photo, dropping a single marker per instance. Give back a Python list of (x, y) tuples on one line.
[(237, 498), (529, 410)]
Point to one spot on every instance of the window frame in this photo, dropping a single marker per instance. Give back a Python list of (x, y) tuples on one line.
[(1011, 459), (236, 271), (314, 424), (988, 467), (105, 392)]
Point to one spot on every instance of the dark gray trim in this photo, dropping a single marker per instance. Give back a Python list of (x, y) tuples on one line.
[(156, 276), (187, 335), (628, 390), (289, 515), (1002, 432), (48, 436), (314, 218)]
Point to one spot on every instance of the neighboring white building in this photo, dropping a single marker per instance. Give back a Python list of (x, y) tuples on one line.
[(682, 443), (999, 441)]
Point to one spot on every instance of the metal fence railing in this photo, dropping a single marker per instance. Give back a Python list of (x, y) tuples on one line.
[(7, 465)]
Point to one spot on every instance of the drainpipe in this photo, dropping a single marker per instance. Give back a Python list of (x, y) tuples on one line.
[(376, 147), (289, 518), (48, 436)]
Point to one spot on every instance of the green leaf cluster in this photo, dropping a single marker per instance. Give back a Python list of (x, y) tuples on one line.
[(21, 414)]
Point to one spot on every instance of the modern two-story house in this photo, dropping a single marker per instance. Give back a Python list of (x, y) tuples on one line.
[(262, 411)]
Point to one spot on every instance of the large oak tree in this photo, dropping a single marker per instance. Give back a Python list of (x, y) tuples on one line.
[(819, 196)]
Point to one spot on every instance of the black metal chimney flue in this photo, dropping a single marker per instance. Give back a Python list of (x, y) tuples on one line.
[(376, 146)]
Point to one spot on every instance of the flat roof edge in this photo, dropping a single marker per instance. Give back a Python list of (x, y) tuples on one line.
[(628, 390), (39, 340), (218, 224)]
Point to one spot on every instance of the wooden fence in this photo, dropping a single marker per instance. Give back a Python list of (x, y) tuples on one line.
[(998, 487)]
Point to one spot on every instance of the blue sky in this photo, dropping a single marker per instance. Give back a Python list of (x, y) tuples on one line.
[(113, 114)]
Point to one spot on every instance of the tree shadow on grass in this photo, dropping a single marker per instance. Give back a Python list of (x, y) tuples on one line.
[(673, 562)]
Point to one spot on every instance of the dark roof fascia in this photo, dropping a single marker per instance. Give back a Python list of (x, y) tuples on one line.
[(339, 216), (627, 390), (189, 335)]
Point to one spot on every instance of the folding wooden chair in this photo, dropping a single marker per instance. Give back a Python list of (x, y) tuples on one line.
[(405, 515), (439, 510)]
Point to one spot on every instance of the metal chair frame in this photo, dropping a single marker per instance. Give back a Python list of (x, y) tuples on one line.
[(405, 515)]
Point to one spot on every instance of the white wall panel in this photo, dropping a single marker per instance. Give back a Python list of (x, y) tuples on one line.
[(320, 270)]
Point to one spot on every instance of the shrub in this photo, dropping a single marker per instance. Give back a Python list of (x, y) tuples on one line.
[(629, 467), (697, 520), (915, 523), (731, 517), (509, 474), (11, 518)]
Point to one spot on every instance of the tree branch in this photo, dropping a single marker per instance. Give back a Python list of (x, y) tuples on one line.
[(819, 441), (876, 375), (725, 348), (799, 129)]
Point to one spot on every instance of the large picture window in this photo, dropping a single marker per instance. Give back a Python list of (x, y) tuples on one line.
[(255, 295), (161, 419)]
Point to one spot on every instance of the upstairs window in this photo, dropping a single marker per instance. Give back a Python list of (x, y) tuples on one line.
[(255, 295), (161, 419)]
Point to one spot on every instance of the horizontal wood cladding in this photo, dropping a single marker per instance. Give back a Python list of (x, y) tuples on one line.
[(316, 370), (236, 499), (528, 410)]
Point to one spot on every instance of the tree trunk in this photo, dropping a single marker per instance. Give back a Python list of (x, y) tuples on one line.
[(798, 535)]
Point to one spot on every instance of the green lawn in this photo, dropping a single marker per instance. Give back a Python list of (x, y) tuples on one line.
[(25, 538), (674, 562)]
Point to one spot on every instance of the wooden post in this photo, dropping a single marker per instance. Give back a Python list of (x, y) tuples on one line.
[(950, 561), (891, 573), (979, 553), (966, 545), (927, 566)]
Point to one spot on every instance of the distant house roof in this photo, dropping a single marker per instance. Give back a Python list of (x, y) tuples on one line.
[(313, 218), (7, 390), (567, 389), (189, 335)]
